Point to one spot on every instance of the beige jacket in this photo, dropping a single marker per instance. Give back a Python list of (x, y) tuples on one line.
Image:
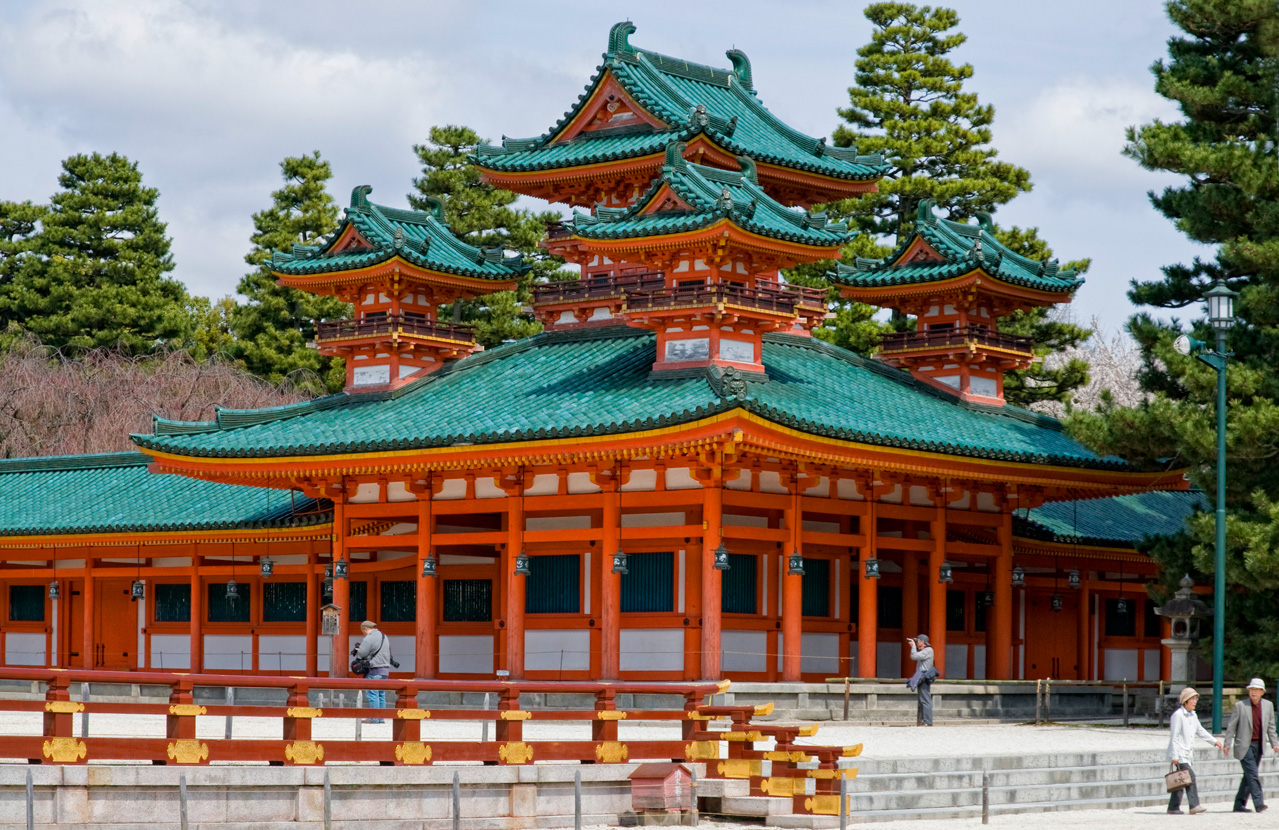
[(1241, 727)]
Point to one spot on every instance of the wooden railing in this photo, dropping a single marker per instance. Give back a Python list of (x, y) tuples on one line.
[(594, 288), (390, 324), (649, 291), (942, 338)]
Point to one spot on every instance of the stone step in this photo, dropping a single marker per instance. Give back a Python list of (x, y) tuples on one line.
[(754, 805)]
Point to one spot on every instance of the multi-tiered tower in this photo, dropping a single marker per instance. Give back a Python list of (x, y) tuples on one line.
[(396, 267), (958, 281), (692, 185)]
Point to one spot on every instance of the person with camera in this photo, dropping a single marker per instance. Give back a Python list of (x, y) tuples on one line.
[(373, 661), (921, 682)]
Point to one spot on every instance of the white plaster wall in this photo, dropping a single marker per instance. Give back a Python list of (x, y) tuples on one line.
[(641, 480), (1150, 664), (679, 478), (1121, 664), (956, 661), (453, 488), (581, 483), (979, 661), (322, 645), (228, 651), (399, 491), (657, 649), (281, 652), (557, 523), (820, 652), (743, 651), (367, 492), (652, 519), (742, 482), (770, 482), (469, 654), (170, 651), (24, 649), (737, 520), (486, 489), (848, 490), (553, 650), (545, 484), (820, 490), (919, 496), (888, 659), (821, 527), (404, 650)]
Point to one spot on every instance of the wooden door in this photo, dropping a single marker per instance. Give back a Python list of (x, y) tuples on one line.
[(73, 623), (1052, 637), (115, 625)]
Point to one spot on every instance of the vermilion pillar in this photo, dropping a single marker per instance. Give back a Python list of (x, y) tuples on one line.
[(339, 660), (937, 590), (426, 647), (516, 583), (1084, 634), (610, 589), (89, 645), (868, 601), (312, 615), (999, 660), (793, 598), (196, 662), (910, 606), (712, 511)]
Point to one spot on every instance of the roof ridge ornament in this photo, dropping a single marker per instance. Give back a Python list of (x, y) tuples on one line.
[(986, 222), (925, 211), (700, 117), (741, 67), (725, 200), (820, 149), (749, 171), (435, 207), (360, 195), (675, 154), (618, 38)]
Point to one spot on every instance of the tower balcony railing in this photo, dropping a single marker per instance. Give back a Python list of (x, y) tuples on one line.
[(649, 291), (938, 338), (597, 288), (385, 325)]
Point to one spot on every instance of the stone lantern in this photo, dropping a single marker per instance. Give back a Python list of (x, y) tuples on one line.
[(1184, 610)]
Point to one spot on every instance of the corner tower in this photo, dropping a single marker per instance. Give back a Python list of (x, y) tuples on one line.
[(958, 281), (396, 267)]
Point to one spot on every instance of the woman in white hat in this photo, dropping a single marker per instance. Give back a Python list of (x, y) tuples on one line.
[(1184, 726)]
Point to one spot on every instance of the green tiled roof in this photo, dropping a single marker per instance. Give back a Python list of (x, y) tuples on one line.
[(713, 194), (1118, 520), (423, 238), (965, 248), (115, 493), (599, 382), (690, 99)]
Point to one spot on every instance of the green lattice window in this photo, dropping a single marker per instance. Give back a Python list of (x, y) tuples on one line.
[(956, 608), (173, 602), (816, 587), (649, 585), (26, 603), (358, 597), (740, 583), (399, 601), (888, 606), (222, 609), (468, 600), (1121, 625), (284, 602), (554, 584)]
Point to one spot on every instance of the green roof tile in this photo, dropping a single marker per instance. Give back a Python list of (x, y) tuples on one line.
[(423, 238), (691, 99), (713, 194), (116, 493), (965, 248), (597, 382), (1118, 520)]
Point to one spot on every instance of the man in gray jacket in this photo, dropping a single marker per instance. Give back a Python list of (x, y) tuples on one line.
[(922, 682), (376, 648), (1253, 725)]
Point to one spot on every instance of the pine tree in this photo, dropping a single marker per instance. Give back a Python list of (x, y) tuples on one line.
[(95, 273), (19, 224), (485, 216), (273, 327), (1223, 74)]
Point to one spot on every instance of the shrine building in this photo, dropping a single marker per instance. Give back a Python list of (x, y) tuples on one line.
[(674, 480)]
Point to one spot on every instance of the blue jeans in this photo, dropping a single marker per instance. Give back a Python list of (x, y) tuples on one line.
[(377, 699)]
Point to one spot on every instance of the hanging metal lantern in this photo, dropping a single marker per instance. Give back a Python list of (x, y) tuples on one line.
[(340, 569), (1121, 607), (1072, 579), (137, 590), (1057, 602), (619, 563), (987, 598), (328, 580), (1019, 577), (872, 568), (721, 558), (428, 566), (54, 593), (521, 564), (232, 590), (267, 566), (944, 573), (795, 567)]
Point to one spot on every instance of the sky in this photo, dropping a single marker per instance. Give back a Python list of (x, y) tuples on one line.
[(207, 96)]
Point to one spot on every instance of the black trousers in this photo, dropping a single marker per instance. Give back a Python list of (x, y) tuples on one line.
[(1251, 783), (924, 714), (1192, 792)]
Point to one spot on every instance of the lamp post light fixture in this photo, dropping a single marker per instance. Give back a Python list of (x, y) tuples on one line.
[(944, 574), (54, 593), (721, 558), (267, 566), (1221, 316), (428, 566), (137, 590), (232, 590), (1072, 579), (1121, 607), (1019, 577), (327, 586), (795, 567), (521, 564), (340, 569), (872, 568), (1057, 603), (987, 599), (619, 563)]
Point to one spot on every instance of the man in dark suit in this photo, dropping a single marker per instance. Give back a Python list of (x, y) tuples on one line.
[(1253, 725)]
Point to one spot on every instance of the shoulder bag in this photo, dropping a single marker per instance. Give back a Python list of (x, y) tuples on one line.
[(1178, 779)]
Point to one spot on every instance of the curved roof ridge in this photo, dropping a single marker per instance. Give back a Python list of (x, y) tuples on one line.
[(87, 461)]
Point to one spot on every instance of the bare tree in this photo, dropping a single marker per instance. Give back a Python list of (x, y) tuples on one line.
[(1113, 359), (54, 405)]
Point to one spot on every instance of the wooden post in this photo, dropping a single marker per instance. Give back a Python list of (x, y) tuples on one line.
[(610, 588), (1084, 633), (792, 595), (937, 589), (868, 601), (338, 657), (312, 613), (999, 659), (89, 645), (712, 511), (516, 584), (196, 663), (426, 647), (910, 606)]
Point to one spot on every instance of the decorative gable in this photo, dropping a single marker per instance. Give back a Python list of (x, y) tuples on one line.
[(350, 240), (610, 107), (919, 252), (666, 200)]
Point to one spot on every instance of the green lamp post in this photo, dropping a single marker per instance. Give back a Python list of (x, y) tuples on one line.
[(1221, 315)]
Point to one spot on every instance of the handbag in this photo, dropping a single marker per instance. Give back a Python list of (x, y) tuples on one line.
[(360, 666), (1178, 779)]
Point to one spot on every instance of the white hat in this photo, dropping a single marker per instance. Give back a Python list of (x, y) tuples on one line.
[(1257, 683)]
